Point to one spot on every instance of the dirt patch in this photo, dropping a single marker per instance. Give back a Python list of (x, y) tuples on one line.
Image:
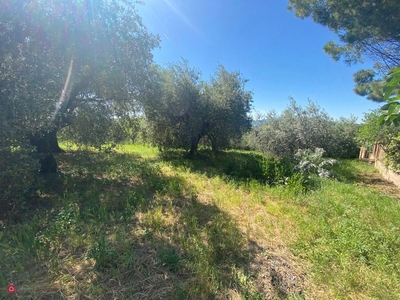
[(276, 277), (274, 270), (377, 182)]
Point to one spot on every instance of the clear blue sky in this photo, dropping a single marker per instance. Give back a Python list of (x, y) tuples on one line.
[(279, 54)]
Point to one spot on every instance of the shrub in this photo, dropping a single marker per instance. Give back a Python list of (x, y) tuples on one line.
[(370, 132), (270, 171), (392, 153), (304, 128)]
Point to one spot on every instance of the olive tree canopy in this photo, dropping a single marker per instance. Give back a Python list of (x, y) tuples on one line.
[(58, 56), (185, 110)]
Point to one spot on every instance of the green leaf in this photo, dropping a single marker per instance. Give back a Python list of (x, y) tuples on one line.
[(392, 108), (385, 107), (381, 119), (395, 71), (388, 91), (395, 98)]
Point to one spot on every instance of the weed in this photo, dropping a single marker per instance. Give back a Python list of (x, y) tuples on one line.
[(103, 254), (250, 166), (169, 258)]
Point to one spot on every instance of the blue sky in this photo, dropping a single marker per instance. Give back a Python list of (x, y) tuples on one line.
[(279, 54)]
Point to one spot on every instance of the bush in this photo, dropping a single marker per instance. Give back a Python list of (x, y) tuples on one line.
[(370, 132), (392, 153), (305, 128), (270, 171)]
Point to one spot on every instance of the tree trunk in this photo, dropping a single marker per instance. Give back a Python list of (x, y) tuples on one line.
[(46, 145), (214, 143), (193, 147), (214, 146)]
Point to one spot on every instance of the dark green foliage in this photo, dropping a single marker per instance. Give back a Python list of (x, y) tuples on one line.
[(169, 258), (18, 172), (228, 105), (343, 143), (368, 86), (392, 154), (246, 168), (103, 254), (139, 130), (277, 171), (174, 107), (370, 132), (390, 112), (63, 63), (366, 29), (270, 171), (97, 127), (387, 122)]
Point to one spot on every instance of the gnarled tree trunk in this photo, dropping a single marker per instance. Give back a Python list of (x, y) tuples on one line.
[(46, 145), (214, 142), (194, 146)]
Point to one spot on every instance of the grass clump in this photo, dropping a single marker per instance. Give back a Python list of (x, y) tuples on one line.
[(170, 258)]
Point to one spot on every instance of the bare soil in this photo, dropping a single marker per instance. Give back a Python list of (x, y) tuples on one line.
[(277, 277), (377, 182)]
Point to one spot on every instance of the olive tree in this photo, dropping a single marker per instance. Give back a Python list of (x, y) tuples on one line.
[(185, 110), (174, 108), (60, 57), (229, 105)]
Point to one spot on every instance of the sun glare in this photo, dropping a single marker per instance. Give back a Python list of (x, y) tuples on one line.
[(174, 6)]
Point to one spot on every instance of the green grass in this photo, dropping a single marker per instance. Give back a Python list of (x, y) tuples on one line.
[(140, 224), (353, 232)]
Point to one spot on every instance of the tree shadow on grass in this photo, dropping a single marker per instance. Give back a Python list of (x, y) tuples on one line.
[(123, 229), (209, 257), (92, 193), (241, 167)]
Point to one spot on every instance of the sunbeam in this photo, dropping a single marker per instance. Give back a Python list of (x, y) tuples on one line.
[(181, 15), (65, 91)]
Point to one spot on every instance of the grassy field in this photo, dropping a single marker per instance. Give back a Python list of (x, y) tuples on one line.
[(140, 224)]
